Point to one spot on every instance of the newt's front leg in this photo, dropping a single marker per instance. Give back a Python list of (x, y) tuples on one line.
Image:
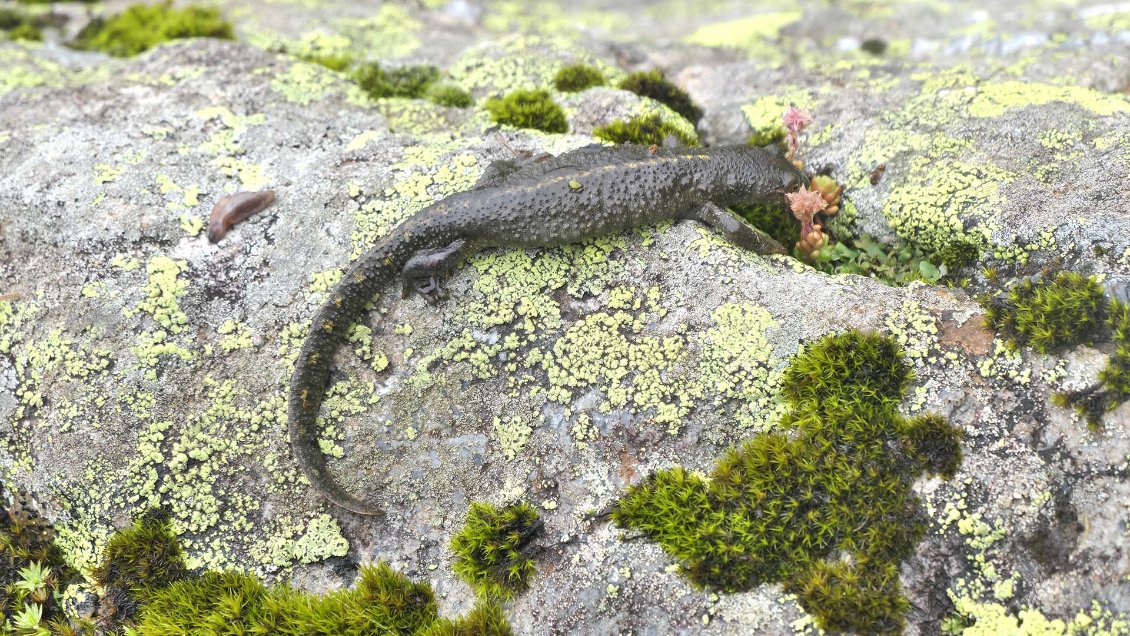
[(736, 229), (421, 271)]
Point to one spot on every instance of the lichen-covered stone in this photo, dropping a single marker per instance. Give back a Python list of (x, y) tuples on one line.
[(143, 366)]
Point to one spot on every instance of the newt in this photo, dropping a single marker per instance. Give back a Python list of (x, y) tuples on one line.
[(550, 201)]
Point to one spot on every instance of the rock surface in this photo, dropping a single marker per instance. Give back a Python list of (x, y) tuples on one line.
[(145, 366)]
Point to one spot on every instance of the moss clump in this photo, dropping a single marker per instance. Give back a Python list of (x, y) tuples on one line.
[(406, 81), (1048, 315), (384, 602), (1116, 375), (578, 77), (775, 221), (825, 508), (655, 85), (644, 130), (448, 95), (143, 26), (528, 109), (137, 561), (10, 19), (491, 551), (334, 62), (486, 619), (143, 571), (20, 26), (28, 32), (957, 254), (1114, 389)]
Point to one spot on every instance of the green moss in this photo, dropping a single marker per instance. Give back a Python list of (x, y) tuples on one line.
[(957, 254), (135, 563), (645, 130), (10, 19), (1049, 315), (448, 95), (528, 109), (141, 27), (1116, 375), (22, 26), (578, 77), (26, 32), (826, 508), (655, 85), (406, 81), (338, 62), (1091, 403), (384, 602), (486, 619), (491, 549)]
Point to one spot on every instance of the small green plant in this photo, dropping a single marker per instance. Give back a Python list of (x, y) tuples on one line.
[(142, 26), (491, 549), (32, 570), (406, 81), (896, 264), (448, 95), (137, 561), (578, 77), (35, 582), (825, 507), (654, 84), (644, 130), (528, 109), (1048, 315), (29, 621)]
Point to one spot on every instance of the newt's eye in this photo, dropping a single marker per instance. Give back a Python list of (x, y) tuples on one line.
[(793, 180)]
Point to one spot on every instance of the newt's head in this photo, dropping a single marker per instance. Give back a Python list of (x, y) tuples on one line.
[(765, 177)]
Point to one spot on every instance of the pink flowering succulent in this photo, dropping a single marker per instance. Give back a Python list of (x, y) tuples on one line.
[(795, 120), (806, 204)]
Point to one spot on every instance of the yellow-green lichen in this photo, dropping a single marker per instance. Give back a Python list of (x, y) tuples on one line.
[(992, 99), (953, 200), (390, 32), (236, 336), (754, 34), (162, 292), (518, 62), (427, 172), (303, 83), (512, 434)]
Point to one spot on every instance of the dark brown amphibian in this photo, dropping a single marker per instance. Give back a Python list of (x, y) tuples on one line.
[(584, 193)]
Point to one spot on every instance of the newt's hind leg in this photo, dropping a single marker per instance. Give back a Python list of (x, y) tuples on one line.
[(421, 271), (736, 229)]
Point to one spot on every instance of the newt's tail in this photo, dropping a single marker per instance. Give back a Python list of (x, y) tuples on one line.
[(367, 276)]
